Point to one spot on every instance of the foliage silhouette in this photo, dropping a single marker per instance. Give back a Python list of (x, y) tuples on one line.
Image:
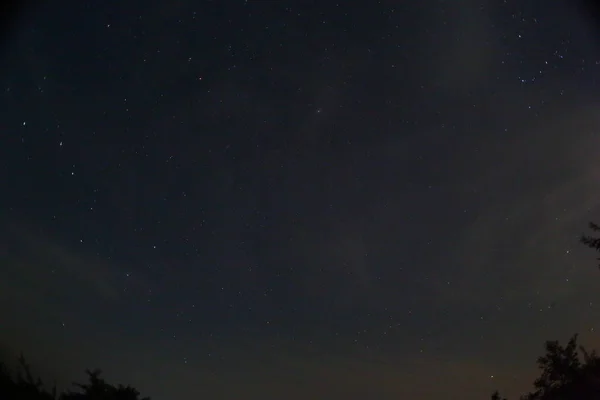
[(496, 396), (564, 374), (591, 241), (22, 386), (98, 389)]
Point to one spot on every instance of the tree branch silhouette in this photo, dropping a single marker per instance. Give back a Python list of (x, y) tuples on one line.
[(570, 372)]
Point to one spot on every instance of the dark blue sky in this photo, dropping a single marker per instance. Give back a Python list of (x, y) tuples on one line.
[(263, 200)]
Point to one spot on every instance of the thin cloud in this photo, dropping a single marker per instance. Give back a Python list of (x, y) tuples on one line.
[(38, 261)]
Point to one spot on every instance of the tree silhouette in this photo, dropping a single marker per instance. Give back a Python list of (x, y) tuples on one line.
[(591, 241), (496, 396), (564, 374), (23, 386), (98, 389)]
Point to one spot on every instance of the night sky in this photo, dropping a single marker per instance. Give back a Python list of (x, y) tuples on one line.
[(298, 199)]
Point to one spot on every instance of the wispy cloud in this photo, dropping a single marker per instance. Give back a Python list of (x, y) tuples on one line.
[(41, 264), (525, 244)]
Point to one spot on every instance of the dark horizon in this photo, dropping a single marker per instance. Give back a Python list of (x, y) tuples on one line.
[(264, 200)]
